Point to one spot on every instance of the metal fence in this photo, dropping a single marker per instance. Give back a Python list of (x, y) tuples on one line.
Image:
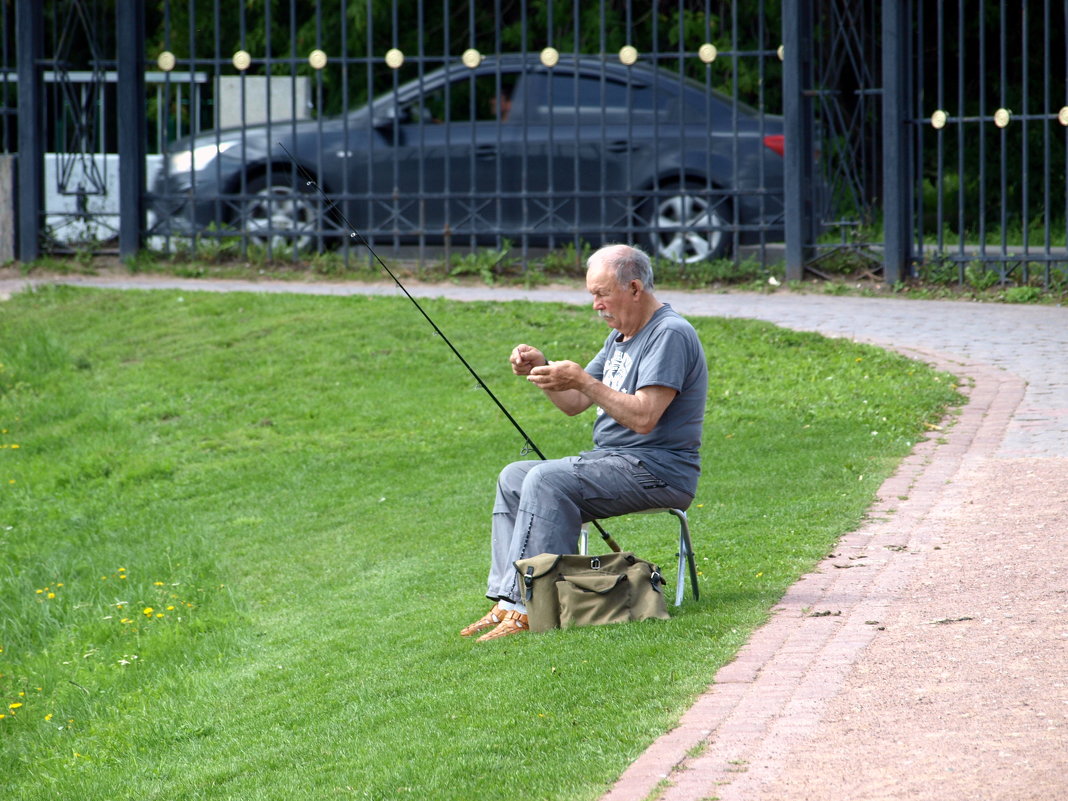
[(433, 131), (891, 138), (988, 129)]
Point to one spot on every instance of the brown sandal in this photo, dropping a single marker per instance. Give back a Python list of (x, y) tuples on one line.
[(513, 623), (491, 618)]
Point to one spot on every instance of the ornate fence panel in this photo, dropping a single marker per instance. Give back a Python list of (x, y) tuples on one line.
[(988, 141), (434, 130)]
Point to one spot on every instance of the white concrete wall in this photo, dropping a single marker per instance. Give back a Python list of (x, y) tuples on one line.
[(243, 100), (68, 224)]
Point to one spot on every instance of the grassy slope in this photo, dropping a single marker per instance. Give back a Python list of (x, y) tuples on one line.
[(307, 482)]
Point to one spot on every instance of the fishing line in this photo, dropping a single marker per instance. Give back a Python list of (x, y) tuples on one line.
[(355, 235)]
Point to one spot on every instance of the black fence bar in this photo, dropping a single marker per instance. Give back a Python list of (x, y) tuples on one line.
[(29, 26), (896, 173), (797, 108), (132, 135)]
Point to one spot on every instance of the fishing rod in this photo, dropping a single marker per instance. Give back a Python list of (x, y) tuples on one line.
[(356, 236)]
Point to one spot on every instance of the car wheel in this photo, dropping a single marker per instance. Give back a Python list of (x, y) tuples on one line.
[(278, 214), (687, 226)]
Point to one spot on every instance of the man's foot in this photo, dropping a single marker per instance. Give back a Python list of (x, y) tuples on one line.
[(513, 623), (491, 618)]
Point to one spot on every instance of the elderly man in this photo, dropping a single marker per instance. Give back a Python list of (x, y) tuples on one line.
[(649, 384)]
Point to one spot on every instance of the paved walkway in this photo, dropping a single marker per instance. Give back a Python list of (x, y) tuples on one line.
[(937, 666)]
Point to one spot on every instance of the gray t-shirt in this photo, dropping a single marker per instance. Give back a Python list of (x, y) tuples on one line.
[(666, 352)]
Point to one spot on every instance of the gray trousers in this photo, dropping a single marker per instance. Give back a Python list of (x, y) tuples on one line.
[(541, 506)]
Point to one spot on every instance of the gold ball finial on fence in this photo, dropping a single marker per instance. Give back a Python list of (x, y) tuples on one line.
[(707, 52), (1002, 117), (317, 58), (1062, 116), (471, 58), (628, 54), (242, 60), (550, 57), (394, 58), (166, 61), (939, 119)]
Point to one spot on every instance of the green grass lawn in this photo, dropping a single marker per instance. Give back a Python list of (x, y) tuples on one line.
[(239, 534)]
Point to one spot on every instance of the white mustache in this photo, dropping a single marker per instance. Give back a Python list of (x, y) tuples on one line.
[(605, 315)]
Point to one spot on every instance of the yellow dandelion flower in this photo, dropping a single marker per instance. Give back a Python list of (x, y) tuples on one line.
[(40, 592), (48, 716), (147, 611), (51, 595), (159, 614), (15, 705), (158, 584), (2, 716), (170, 608), (15, 447), (126, 620)]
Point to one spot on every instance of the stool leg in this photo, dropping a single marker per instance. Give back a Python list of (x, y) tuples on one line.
[(680, 582), (584, 541), (686, 559)]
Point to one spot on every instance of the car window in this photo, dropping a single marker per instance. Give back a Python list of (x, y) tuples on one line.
[(589, 98), (470, 97)]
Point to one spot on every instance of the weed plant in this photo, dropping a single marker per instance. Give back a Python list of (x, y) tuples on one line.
[(240, 534)]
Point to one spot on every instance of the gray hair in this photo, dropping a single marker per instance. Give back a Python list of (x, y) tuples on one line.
[(629, 264)]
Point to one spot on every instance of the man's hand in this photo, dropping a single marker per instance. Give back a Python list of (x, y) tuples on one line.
[(559, 377), (525, 358), (573, 390)]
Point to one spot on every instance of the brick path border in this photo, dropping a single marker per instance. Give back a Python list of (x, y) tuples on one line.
[(772, 695)]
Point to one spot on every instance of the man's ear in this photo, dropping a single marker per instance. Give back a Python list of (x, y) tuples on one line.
[(635, 287)]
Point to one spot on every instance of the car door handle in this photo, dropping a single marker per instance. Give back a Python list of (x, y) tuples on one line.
[(621, 146), (486, 151)]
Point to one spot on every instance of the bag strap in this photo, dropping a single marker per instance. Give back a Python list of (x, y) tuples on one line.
[(528, 581), (657, 581)]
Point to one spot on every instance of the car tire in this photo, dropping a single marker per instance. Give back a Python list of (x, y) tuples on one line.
[(686, 225), (280, 214)]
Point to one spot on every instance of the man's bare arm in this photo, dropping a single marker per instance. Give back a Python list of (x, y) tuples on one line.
[(573, 390)]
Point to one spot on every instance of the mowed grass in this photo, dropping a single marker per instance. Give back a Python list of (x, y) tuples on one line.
[(239, 534)]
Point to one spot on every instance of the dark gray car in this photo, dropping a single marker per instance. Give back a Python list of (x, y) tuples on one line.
[(587, 148)]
